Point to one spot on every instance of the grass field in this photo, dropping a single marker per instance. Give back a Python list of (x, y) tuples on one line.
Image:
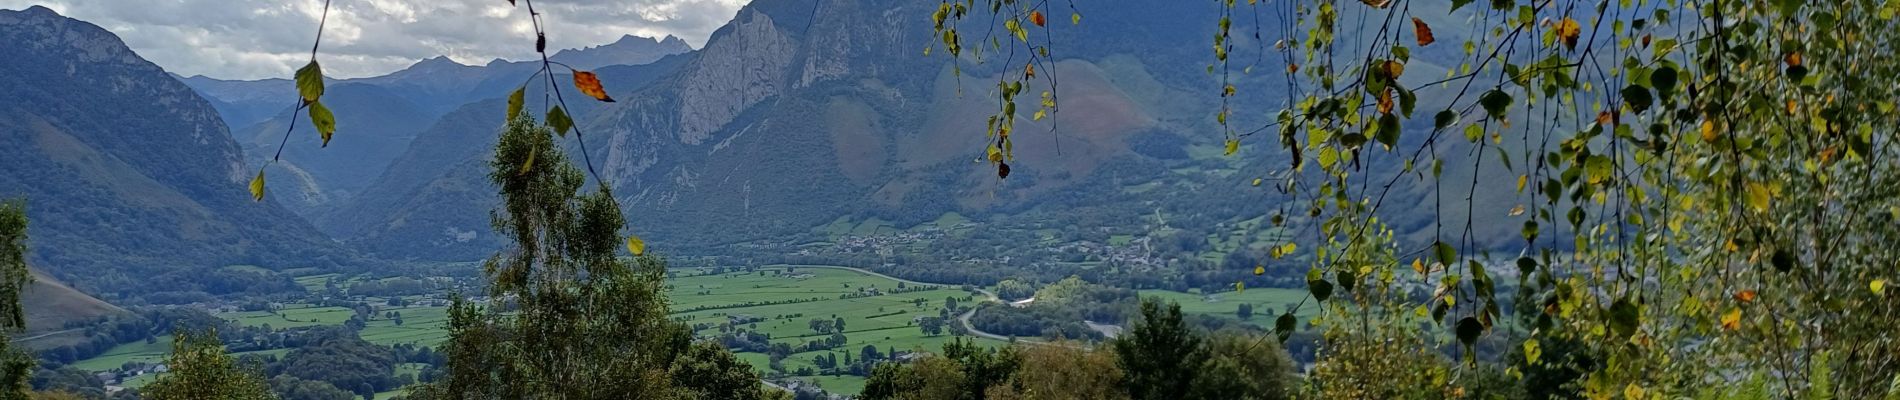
[(121, 354), (883, 321), (291, 317)]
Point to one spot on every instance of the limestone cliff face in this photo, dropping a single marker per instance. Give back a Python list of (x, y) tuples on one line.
[(746, 63)]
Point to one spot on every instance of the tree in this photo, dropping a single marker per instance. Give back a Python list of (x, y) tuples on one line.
[(1245, 311), (15, 366), (587, 324), (820, 325), (927, 378), (838, 324), (709, 371), (932, 326), (1063, 371), (1159, 353), (1245, 367), (200, 369)]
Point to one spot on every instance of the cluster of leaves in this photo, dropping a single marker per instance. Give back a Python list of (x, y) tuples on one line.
[(1712, 180), (1698, 183), (1161, 357), (15, 366), (1021, 22), (309, 81)]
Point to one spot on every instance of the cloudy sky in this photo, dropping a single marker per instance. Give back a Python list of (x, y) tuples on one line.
[(252, 39)]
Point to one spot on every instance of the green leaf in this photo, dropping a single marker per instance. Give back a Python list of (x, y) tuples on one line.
[(1495, 102), (515, 101), (1624, 317), (1388, 131), (1446, 254), (1531, 351), (1455, 4), (1597, 169), (1783, 259), (1637, 97), (1526, 265), (1664, 80), (1320, 288), (1284, 325), (1468, 330), (257, 186), (310, 81), (1407, 101), (558, 120), (325, 122), (1444, 119)]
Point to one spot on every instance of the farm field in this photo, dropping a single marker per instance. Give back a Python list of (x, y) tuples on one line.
[(784, 299)]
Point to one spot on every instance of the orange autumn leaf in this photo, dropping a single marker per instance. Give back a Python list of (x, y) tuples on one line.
[(1745, 296), (1377, 3), (1605, 118), (1385, 101), (590, 86), (1793, 59), (1423, 31), (1035, 17), (1029, 70)]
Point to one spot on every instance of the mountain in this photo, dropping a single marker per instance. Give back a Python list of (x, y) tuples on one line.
[(629, 50), (430, 202), (377, 117), (791, 118), (50, 305), (798, 119), (127, 172)]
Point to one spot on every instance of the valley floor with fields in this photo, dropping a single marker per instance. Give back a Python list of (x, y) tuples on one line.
[(781, 302)]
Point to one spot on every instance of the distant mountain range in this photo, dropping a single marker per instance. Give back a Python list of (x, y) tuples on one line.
[(795, 116), (127, 172)]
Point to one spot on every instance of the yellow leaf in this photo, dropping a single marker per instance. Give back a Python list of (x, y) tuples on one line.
[(1516, 211), (1879, 286), (515, 101), (323, 120), (636, 246), (1233, 145), (1631, 392), (1732, 320), (589, 84), (1758, 196), (1521, 180), (1240, 286), (1418, 266), (1256, 181), (257, 186), (1262, 270), (1531, 351), (1708, 131), (529, 164)]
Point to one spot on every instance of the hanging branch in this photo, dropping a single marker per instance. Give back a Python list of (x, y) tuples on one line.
[(309, 80)]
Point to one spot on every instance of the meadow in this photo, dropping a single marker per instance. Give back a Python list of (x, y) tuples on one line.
[(876, 311)]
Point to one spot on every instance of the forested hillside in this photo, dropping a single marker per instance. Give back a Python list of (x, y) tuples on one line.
[(128, 172)]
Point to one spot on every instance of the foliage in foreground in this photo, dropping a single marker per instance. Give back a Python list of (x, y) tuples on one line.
[(568, 317), (201, 369), (1161, 357), (1707, 190)]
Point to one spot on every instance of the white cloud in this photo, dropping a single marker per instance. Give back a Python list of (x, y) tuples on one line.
[(252, 39)]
